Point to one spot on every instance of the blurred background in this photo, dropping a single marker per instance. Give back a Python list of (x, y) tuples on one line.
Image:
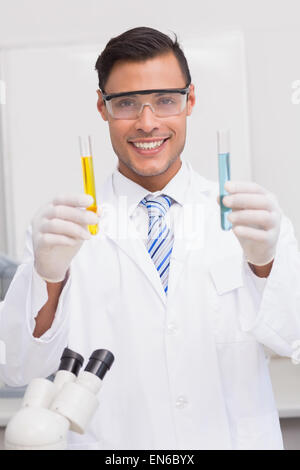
[(243, 58)]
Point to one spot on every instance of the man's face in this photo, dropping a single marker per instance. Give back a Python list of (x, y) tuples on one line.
[(161, 72)]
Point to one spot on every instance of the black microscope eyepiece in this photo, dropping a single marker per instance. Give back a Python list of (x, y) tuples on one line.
[(99, 362), (71, 361)]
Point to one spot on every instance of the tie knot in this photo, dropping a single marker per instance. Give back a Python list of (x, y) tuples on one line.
[(157, 206)]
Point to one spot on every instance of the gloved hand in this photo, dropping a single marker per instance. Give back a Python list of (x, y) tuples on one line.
[(58, 231), (255, 219)]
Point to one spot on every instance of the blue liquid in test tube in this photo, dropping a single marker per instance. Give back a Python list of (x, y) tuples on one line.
[(224, 175)]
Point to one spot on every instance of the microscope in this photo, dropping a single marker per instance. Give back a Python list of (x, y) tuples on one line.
[(51, 408)]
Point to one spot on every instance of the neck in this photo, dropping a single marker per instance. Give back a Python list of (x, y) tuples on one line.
[(151, 183)]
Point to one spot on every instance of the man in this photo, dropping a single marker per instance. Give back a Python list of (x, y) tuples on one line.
[(185, 311)]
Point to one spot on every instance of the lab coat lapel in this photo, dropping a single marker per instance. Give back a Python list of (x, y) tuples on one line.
[(120, 229), (189, 231), (137, 251)]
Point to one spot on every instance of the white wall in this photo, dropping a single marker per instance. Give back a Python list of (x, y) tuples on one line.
[(273, 67)]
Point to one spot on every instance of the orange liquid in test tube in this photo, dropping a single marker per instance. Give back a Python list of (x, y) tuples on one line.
[(88, 176)]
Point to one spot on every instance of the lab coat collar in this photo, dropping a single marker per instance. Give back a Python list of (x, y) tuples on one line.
[(176, 188), (118, 226)]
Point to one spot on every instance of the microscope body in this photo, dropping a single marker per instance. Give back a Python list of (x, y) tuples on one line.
[(50, 409)]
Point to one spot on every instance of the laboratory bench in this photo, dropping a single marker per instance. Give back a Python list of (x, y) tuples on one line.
[(285, 378)]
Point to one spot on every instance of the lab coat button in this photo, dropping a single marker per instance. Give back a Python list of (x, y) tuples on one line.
[(181, 402), (171, 328)]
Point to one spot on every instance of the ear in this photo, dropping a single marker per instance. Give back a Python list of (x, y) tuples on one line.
[(101, 106), (191, 100)]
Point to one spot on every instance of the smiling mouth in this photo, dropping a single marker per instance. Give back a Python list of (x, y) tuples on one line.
[(150, 145)]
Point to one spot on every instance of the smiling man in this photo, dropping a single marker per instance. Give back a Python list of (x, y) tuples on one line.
[(185, 317)]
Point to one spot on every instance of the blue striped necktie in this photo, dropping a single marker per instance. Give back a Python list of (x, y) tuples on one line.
[(160, 236)]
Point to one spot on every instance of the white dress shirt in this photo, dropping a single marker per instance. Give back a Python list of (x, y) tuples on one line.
[(176, 189)]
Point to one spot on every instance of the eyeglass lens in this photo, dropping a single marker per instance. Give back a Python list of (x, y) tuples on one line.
[(162, 104)]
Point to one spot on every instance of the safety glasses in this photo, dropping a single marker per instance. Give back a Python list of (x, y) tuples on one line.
[(163, 102)]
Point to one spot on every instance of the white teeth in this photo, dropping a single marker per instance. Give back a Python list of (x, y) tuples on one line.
[(148, 145)]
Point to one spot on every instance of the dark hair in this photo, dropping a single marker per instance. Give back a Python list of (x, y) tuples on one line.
[(138, 44)]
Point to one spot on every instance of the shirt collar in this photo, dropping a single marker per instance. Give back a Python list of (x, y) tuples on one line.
[(175, 188)]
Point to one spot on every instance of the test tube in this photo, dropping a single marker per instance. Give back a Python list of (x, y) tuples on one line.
[(88, 175), (224, 174)]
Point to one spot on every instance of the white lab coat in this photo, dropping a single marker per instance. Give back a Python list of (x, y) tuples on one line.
[(190, 370)]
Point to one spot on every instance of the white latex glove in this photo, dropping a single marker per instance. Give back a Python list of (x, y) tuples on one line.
[(255, 219), (58, 231)]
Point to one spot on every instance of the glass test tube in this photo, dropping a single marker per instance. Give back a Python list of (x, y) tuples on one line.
[(88, 175), (224, 174)]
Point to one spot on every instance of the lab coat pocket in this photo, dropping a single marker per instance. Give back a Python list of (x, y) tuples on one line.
[(259, 432), (226, 276)]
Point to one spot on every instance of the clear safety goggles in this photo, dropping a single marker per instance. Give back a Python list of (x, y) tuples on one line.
[(163, 102)]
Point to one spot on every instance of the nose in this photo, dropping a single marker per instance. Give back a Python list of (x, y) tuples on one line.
[(147, 121)]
